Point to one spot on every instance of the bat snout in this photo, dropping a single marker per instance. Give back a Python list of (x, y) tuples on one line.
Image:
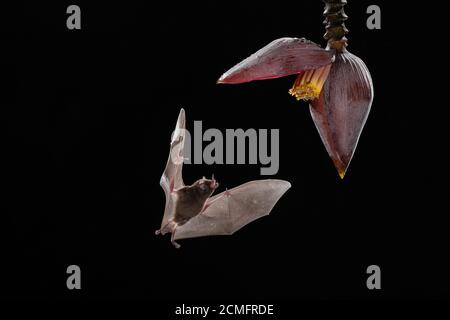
[(214, 184)]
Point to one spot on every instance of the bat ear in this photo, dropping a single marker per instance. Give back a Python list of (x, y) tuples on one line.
[(212, 178), (203, 177)]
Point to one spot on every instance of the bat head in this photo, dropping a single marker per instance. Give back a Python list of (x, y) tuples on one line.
[(206, 186)]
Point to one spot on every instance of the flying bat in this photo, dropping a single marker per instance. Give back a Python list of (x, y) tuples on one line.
[(191, 211)]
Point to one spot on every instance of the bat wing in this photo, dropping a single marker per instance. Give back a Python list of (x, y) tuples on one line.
[(231, 210), (172, 177)]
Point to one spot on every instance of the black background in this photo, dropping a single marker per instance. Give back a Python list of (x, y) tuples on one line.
[(89, 115)]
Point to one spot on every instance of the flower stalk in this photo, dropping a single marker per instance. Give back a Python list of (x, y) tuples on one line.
[(335, 18)]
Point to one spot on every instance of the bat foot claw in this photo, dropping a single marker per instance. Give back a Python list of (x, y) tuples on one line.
[(158, 232), (176, 245)]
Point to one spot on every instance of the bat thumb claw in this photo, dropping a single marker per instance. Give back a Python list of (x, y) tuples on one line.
[(158, 232)]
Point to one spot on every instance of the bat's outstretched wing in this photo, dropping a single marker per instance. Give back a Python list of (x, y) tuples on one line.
[(172, 177), (229, 211)]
